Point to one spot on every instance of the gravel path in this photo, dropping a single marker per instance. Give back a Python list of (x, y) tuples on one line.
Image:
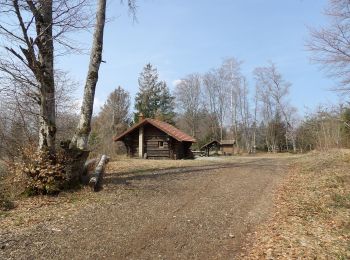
[(187, 213)]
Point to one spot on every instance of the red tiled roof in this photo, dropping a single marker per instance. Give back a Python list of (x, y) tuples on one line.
[(165, 127)]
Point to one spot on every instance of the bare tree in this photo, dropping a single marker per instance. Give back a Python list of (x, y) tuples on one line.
[(217, 95), (322, 129), (189, 103), (20, 109), (81, 136), (36, 53), (113, 119), (245, 116), (29, 30), (230, 70), (273, 90), (330, 45), (118, 106)]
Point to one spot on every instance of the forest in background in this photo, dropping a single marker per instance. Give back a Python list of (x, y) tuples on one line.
[(217, 105)]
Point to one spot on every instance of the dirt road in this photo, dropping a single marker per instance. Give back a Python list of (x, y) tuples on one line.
[(201, 212)]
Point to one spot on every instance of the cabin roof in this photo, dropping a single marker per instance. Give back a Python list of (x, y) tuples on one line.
[(165, 127), (227, 142)]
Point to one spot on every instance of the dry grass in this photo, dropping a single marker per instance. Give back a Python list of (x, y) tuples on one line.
[(127, 165), (122, 164), (312, 212)]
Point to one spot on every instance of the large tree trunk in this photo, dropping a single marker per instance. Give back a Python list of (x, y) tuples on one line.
[(78, 148), (45, 76), (81, 136)]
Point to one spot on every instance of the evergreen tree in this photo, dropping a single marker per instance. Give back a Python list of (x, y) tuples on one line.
[(154, 99)]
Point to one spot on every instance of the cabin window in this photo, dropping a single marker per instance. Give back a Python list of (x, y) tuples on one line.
[(161, 144)]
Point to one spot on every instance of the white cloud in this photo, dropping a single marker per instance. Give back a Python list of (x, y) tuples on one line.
[(98, 103), (77, 105), (176, 82)]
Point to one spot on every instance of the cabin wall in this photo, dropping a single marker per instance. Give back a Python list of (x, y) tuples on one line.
[(182, 150), (187, 151), (178, 150), (157, 143), (227, 149), (132, 144)]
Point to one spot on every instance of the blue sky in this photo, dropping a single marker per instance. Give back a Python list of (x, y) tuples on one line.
[(181, 37)]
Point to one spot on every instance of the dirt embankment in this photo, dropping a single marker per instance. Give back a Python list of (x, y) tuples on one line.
[(311, 212), (196, 212)]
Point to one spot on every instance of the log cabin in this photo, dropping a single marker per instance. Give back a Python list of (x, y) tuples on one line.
[(155, 139)]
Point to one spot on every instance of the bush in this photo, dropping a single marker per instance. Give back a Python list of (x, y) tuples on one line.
[(45, 174), (5, 202)]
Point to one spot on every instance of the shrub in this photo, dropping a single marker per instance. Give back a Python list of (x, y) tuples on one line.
[(45, 173), (5, 202)]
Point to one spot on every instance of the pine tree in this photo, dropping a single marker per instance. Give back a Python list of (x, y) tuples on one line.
[(154, 99)]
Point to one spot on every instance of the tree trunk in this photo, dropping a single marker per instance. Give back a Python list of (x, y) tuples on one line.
[(77, 150), (81, 136), (47, 119), (96, 181), (294, 145)]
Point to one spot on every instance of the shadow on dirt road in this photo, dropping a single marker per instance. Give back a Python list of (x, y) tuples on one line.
[(201, 212)]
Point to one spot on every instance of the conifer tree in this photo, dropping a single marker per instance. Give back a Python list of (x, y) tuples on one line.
[(154, 99)]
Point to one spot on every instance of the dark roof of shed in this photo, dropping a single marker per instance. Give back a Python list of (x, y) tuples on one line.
[(210, 144), (165, 127)]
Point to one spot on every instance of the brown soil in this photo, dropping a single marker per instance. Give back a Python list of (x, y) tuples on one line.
[(196, 212)]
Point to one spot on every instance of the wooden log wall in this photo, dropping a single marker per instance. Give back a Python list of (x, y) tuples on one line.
[(153, 138), (171, 148)]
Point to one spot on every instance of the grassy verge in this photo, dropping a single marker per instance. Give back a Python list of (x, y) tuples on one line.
[(127, 165), (312, 212)]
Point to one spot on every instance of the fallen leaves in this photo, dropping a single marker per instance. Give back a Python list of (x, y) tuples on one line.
[(311, 218)]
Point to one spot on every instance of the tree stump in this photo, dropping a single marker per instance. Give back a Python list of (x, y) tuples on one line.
[(75, 166)]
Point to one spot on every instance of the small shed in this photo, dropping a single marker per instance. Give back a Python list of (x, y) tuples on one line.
[(155, 139), (227, 147)]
